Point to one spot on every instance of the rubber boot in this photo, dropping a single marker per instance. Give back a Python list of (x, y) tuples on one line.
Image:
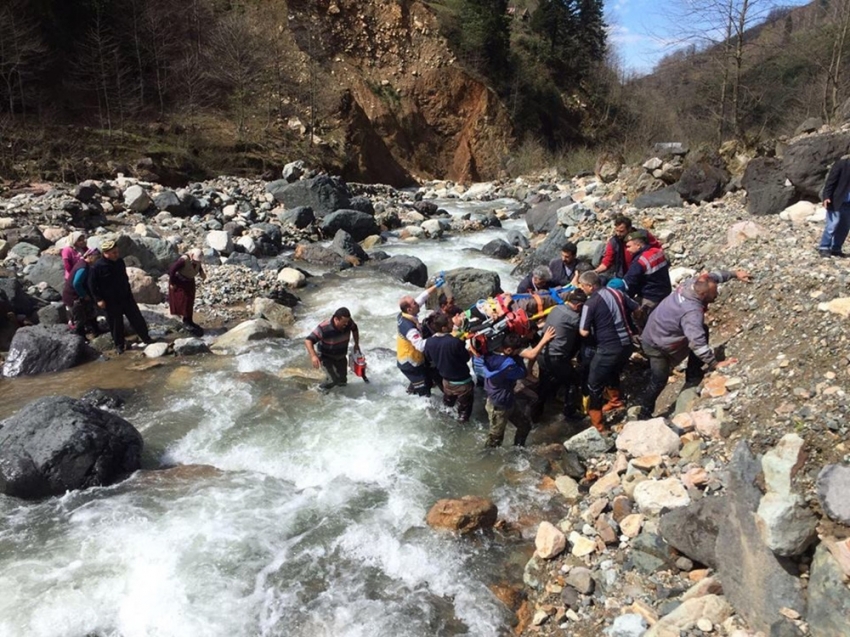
[(614, 401), (596, 419)]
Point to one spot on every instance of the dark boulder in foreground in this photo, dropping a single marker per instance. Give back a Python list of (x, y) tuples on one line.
[(57, 444), (322, 194), (40, 349), (764, 181), (358, 224), (499, 249)]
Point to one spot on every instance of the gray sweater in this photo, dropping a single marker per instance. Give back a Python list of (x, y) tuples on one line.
[(678, 323)]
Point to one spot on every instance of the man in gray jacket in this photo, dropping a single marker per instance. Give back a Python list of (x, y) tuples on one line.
[(676, 328)]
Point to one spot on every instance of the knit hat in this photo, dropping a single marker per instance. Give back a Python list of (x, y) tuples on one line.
[(107, 245), (91, 252)]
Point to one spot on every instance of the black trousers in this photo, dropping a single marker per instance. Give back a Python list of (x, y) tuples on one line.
[(556, 372), (604, 371), (116, 310)]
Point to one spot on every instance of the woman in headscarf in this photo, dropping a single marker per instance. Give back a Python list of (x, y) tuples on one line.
[(181, 287), (73, 252)]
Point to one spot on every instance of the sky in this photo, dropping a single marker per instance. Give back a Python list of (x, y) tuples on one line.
[(643, 31)]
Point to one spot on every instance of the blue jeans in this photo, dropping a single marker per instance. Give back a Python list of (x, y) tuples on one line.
[(836, 229)]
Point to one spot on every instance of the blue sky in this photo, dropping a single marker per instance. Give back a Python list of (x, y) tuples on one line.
[(643, 31)]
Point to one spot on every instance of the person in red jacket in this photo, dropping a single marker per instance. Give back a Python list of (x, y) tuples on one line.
[(616, 259)]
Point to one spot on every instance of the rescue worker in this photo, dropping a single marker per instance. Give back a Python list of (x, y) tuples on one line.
[(410, 344)]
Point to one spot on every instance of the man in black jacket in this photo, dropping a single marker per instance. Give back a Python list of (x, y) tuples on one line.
[(836, 200), (110, 288), (451, 360)]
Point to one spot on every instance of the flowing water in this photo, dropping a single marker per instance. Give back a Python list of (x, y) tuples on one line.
[(290, 512)]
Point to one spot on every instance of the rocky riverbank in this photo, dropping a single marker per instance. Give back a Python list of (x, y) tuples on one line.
[(725, 517)]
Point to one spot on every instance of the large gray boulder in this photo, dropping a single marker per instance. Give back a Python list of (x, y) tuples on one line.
[(757, 582), (499, 249), (668, 197), (27, 234), (323, 194), (468, 285), (692, 530), (764, 181), (48, 269), (547, 250), (806, 162), (39, 349), (543, 217), (154, 256), (702, 181), (404, 268), (358, 224), (58, 444), (168, 201), (833, 486), (345, 246), (319, 255)]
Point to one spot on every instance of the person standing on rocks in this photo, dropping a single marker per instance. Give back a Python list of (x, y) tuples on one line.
[(181, 287), (607, 327), (332, 337), (538, 281), (676, 330), (501, 371), (110, 288), (836, 200), (77, 297), (73, 252), (556, 360), (563, 268), (616, 259), (648, 276), (450, 358), (410, 344)]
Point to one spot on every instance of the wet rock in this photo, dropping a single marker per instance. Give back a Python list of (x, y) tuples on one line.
[(588, 444), (758, 582), (345, 246), (39, 349), (693, 529), (358, 224), (291, 277), (470, 284), (245, 333), (833, 485), (156, 350), (647, 437), (57, 444), (405, 268), (516, 238), (190, 346), (53, 314), (652, 496), (829, 598), (550, 541), (468, 514), (279, 316), (499, 249)]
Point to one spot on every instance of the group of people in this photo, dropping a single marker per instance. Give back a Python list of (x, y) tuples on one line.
[(580, 325), (96, 278)]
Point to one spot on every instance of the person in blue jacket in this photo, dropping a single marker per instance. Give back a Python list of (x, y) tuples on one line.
[(77, 297), (501, 370)]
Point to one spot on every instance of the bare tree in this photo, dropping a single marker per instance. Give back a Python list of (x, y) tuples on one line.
[(20, 51), (836, 29)]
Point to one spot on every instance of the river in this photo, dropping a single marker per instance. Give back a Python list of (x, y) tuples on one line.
[(308, 520)]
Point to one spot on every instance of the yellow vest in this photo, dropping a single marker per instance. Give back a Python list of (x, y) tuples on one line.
[(405, 352)]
